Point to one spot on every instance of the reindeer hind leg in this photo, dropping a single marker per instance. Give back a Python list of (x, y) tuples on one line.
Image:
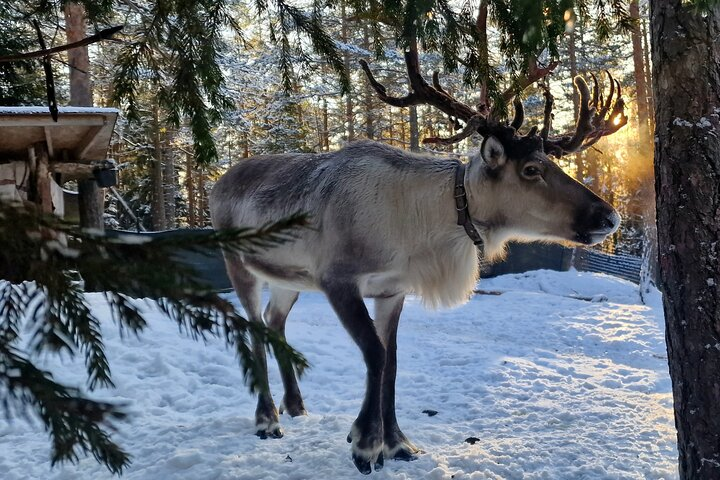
[(276, 313), (248, 288)]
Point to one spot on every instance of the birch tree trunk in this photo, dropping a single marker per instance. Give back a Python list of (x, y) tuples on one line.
[(686, 83)]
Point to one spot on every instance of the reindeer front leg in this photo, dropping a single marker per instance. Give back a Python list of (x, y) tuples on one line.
[(366, 434), (387, 317)]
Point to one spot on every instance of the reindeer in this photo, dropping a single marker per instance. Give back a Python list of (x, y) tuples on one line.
[(388, 223)]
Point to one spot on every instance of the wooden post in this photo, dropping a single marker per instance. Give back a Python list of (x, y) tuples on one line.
[(39, 188)]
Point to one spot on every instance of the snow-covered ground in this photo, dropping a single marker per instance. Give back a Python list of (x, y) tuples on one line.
[(552, 387)]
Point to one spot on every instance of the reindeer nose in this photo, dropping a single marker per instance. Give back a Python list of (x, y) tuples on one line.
[(612, 221)]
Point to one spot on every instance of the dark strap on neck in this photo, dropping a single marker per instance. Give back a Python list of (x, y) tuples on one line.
[(461, 205)]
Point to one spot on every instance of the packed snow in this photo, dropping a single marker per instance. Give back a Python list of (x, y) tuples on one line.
[(549, 386)]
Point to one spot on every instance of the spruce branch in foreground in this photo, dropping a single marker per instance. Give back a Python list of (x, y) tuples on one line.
[(43, 309)]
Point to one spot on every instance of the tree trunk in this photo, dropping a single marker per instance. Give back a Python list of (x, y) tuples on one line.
[(90, 196), (573, 72), (349, 116), (686, 83), (158, 195), (368, 93), (326, 131), (391, 125), (201, 197), (648, 76), (169, 189), (190, 185), (78, 59), (414, 130), (572, 54), (639, 71), (246, 145), (484, 57)]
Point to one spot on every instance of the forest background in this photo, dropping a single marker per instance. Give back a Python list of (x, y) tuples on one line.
[(276, 96)]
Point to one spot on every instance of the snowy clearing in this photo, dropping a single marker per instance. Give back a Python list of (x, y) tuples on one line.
[(552, 387)]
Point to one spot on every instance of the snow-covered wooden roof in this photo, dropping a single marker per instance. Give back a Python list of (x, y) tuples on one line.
[(83, 132)]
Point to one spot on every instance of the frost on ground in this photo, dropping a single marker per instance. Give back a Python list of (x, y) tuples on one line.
[(552, 387)]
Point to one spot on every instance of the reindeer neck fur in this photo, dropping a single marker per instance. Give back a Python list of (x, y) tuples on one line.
[(443, 271), (442, 265)]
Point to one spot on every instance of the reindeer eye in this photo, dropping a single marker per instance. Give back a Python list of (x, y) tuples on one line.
[(531, 171)]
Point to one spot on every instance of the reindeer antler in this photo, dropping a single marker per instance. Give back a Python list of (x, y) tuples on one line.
[(597, 118), (425, 94)]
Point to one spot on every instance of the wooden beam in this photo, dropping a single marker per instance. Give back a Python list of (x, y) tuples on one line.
[(65, 120), (72, 170), (87, 142), (48, 141)]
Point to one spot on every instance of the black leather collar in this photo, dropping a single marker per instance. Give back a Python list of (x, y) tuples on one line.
[(461, 205)]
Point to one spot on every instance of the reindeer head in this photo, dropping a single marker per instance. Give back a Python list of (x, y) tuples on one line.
[(513, 187), (516, 192)]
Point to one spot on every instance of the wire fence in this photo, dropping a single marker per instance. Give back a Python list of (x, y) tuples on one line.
[(521, 257), (623, 266)]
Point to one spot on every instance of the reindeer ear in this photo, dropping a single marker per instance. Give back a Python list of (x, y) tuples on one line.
[(493, 152)]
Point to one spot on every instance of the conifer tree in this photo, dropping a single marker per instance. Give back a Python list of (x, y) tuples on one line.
[(43, 310)]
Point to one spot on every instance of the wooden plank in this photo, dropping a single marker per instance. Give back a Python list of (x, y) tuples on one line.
[(41, 121), (43, 179), (87, 142), (39, 178), (72, 169), (48, 141)]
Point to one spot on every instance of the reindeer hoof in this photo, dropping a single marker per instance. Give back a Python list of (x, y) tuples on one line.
[(401, 449), (362, 465), (368, 456), (293, 409), (274, 431), (404, 455), (380, 462)]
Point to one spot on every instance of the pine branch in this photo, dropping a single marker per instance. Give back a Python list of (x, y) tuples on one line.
[(39, 297), (105, 34), (72, 420)]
